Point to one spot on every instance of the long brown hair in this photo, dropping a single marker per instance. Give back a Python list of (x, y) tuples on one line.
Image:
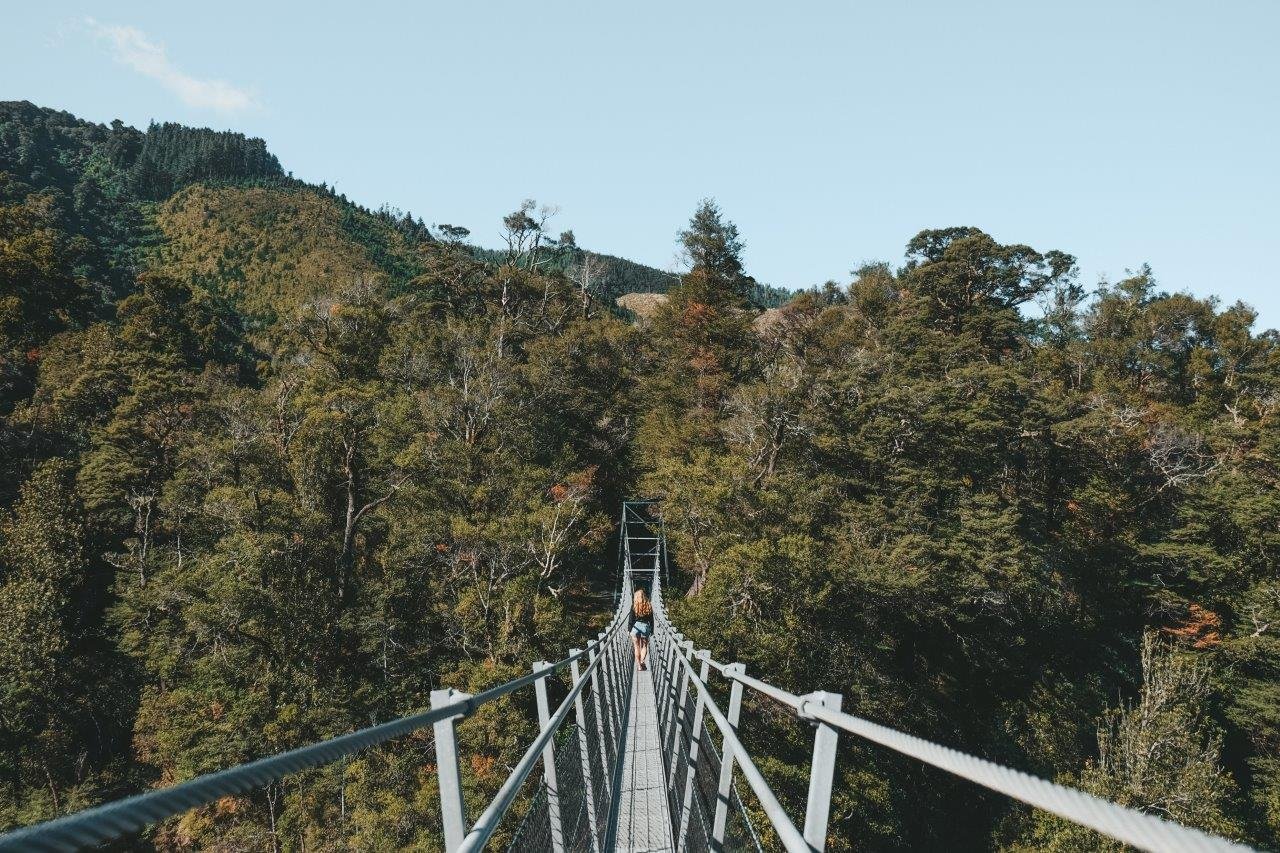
[(640, 603)]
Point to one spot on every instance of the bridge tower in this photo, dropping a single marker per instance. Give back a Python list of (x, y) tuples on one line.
[(641, 547)]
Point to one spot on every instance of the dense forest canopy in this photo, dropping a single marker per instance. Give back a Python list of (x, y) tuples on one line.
[(275, 466)]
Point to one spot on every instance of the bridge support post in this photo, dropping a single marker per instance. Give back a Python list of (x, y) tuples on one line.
[(725, 788), (658, 653), (452, 811), (658, 663), (606, 679), (695, 750), (549, 760), (666, 695), (588, 785), (821, 773), (602, 651)]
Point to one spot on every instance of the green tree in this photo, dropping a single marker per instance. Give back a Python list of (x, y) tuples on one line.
[(1159, 755), (59, 712)]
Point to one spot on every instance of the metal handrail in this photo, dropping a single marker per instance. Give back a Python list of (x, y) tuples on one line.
[(610, 676), (487, 823), (1139, 829), (788, 834), (103, 823)]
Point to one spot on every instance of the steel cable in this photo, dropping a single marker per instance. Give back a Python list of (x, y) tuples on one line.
[(112, 820)]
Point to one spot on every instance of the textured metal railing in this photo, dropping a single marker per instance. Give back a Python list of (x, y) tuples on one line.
[(600, 678), (572, 806), (580, 747), (685, 694)]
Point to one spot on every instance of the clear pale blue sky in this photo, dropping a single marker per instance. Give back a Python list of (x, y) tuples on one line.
[(1122, 132)]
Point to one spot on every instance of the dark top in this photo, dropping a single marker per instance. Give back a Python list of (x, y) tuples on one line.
[(634, 617)]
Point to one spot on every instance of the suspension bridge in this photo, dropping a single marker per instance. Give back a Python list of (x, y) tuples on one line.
[(629, 759)]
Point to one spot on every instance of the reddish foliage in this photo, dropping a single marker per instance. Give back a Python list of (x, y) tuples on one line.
[(697, 314), (1200, 627), (229, 805), (704, 361), (584, 479), (482, 765), (575, 486)]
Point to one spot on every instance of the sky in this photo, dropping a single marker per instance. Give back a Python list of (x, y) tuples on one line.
[(1122, 132)]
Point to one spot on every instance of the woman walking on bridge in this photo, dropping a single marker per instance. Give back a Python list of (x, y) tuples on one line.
[(641, 624)]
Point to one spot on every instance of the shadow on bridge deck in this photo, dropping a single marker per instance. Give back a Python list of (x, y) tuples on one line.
[(643, 818)]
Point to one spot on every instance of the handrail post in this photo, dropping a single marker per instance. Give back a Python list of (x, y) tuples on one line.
[(621, 677), (695, 747), (658, 664), (725, 787), (589, 788), (821, 773), (452, 809), (549, 760), (614, 653)]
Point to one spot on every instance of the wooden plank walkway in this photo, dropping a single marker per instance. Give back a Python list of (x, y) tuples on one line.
[(644, 821)]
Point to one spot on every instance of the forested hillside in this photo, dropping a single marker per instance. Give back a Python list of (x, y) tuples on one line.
[(273, 466), (1053, 542)]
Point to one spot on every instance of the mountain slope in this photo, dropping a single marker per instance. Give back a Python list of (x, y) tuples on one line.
[(266, 248)]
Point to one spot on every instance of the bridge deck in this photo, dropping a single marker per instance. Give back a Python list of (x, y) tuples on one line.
[(644, 822)]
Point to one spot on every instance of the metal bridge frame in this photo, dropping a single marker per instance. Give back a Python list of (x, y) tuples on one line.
[(684, 702), (633, 514), (678, 679), (677, 684), (608, 671)]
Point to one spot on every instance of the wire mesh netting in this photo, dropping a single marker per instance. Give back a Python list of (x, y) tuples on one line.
[(600, 761), (694, 790), (677, 750), (572, 791), (534, 832), (581, 796), (739, 834), (537, 830)]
